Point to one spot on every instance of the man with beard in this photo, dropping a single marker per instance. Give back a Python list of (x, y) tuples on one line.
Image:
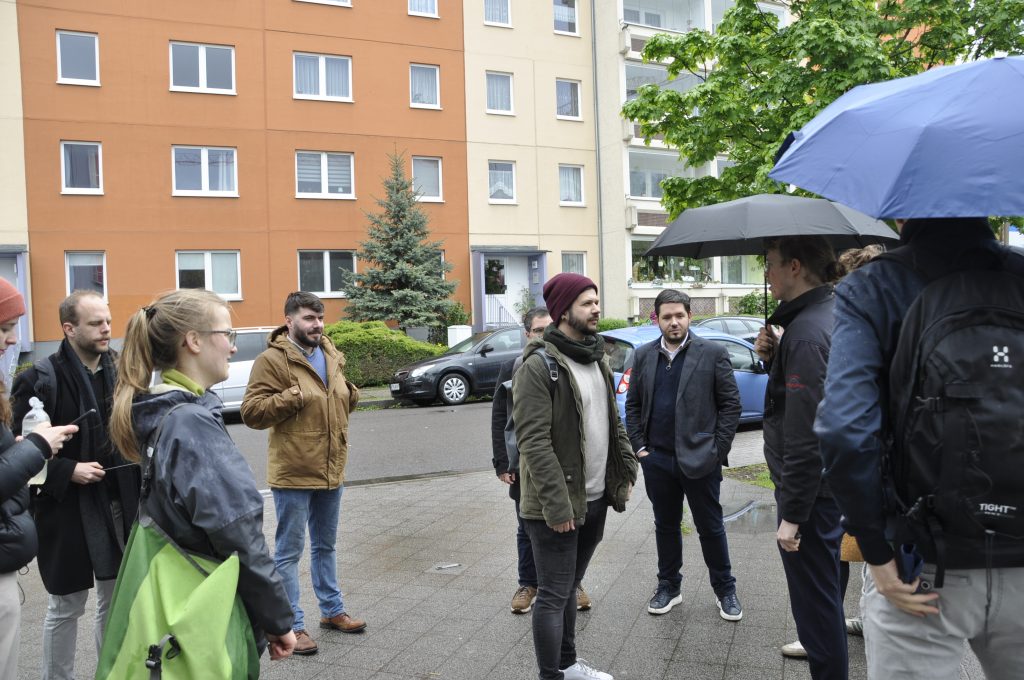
[(85, 507), (298, 390), (682, 410), (564, 389)]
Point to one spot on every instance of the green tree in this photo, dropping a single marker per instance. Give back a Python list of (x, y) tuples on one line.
[(402, 277), (768, 81)]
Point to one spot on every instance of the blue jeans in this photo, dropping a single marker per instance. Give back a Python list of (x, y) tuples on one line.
[(527, 568), (296, 509)]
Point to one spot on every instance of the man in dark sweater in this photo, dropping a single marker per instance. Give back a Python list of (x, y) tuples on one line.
[(682, 410)]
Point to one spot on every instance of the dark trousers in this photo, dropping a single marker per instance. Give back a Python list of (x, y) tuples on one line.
[(527, 569), (667, 487), (561, 561), (815, 591)]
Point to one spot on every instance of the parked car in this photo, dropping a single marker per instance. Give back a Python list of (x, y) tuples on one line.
[(621, 344), (250, 343), (468, 368), (745, 327)]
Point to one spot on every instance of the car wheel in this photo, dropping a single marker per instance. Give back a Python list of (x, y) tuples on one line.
[(453, 389)]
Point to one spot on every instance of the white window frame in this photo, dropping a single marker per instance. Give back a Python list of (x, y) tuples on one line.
[(322, 77), (440, 178), (508, 4), (437, 89), (582, 253), (511, 93), (67, 269), (204, 172), (326, 252), (515, 184), (583, 195), (64, 189), (96, 47), (576, 13), (208, 269), (579, 98), (333, 3), (203, 88), (323, 176), (412, 13)]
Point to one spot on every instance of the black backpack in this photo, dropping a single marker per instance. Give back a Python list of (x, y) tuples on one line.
[(955, 458)]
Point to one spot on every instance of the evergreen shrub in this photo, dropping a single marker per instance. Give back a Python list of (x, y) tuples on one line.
[(373, 352)]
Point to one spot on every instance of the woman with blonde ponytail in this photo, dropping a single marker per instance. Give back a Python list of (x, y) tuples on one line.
[(202, 493)]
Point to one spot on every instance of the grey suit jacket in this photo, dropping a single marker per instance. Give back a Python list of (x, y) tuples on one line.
[(707, 405)]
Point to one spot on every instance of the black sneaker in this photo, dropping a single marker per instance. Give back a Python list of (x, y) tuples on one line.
[(665, 597), (729, 608)]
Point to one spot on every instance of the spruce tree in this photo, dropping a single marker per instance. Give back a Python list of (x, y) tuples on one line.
[(401, 272)]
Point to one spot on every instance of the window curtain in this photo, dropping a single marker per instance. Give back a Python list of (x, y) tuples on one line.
[(222, 169), (339, 173), (337, 77), (307, 173), (85, 271), (307, 74), (570, 184), (81, 166), (423, 6), (496, 11), (501, 180), (423, 83), (499, 92), (565, 15), (573, 263), (225, 273), (568, 99), (426, 175)]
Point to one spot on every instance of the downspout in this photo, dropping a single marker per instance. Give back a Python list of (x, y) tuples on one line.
[(597, 147)]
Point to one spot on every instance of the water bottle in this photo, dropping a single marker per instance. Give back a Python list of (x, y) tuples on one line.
[(33, 419)]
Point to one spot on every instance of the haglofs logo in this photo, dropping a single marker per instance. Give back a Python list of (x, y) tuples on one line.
[(1000, 357)]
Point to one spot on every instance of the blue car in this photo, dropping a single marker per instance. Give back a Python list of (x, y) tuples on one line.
[(621, 343)]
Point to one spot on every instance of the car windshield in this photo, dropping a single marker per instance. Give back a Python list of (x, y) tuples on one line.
[(619, 353), (468, 343)]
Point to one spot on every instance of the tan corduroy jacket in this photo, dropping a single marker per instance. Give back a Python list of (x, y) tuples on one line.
[(308, 421)]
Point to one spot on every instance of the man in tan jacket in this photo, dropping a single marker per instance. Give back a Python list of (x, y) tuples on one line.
[(298, 390)]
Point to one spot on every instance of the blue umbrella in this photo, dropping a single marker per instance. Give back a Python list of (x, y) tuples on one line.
[(948, 142)]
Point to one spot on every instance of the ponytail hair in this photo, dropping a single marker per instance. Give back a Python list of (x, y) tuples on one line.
[(152, 340)]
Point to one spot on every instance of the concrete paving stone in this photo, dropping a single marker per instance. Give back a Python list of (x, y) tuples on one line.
[(413, 662), (762, 618), (751, 673), (693, 651), (688, 670), (459, 668), (364, 657), (795, 669), (767, 657)]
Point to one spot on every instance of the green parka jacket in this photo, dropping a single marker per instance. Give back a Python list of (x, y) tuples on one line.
[(550, 436)]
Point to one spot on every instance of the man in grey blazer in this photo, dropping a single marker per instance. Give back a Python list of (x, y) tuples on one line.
[(682, 410)]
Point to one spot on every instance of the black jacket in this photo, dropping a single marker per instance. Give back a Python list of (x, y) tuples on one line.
[(499, 417), (707, 405), (18, 463), (796, 384)]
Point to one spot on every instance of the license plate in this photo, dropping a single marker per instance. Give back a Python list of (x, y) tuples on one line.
[(395, 387)]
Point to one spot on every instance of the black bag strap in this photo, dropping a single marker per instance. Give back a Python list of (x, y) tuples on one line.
[(552, 368), (150, 450), (154, 660)]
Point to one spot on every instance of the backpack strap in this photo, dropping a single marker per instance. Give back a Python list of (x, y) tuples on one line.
[(46, 384), (552, 368), (147, 464)]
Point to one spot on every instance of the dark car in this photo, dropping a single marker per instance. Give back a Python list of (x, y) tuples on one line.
[(746, 327), (468, 368)]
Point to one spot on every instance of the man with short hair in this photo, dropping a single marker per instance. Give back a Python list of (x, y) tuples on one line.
[(298, 391), (85, 508), (682, 410), (564, 389)]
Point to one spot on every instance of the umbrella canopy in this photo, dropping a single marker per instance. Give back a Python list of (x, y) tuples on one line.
[(943, 143), (742, 227)]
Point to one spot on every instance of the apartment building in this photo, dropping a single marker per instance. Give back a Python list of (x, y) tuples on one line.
[(231, 145)]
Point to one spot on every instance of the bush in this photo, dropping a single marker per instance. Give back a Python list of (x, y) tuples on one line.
[(373, 352), (753, 304), (611, 324)]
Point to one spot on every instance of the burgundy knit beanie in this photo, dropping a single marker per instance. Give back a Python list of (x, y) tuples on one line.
[(562, 290), (12, 305)]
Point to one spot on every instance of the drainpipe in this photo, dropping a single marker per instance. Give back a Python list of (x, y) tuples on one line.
[(597, 146)]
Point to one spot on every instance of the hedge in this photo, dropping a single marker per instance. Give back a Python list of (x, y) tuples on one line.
[(373, 352), (607, 324)]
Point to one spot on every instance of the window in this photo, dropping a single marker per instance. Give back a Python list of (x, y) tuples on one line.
[(426, 178), (778, 11), (741, 358), (202, 68), (423, 8), (320, 174), (339, 3), (567, 99), (204, 171), (78, 58), (499, 92), (565, 17), (424, 86), (575, 263), (674, 15), (658, 269), (321, 76), (638, 75), (81, 168), (570, 185), (326, 272), (498, 13), (501, 181), (215, 270), (86, 271), (647, 169)]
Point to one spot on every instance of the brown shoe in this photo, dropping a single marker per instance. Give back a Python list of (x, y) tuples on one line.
[(344, 623), (304, 645), (582, 599), (522, 601)]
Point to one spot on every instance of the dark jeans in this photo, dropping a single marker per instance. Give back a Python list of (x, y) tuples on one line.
[(561, 561), (527, 569), (815, 591), (667, 487)]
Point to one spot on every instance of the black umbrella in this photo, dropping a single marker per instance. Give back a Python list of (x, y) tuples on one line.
[(743, 227)]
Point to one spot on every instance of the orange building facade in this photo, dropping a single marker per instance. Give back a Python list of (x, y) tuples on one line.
[(234, 145)]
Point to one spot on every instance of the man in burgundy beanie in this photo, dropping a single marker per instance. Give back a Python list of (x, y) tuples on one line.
[(561, 290)]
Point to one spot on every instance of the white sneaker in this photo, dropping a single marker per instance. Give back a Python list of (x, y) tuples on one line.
[(581, 671), (794, 650)]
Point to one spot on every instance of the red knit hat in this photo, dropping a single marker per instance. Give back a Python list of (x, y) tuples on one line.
[(12, 305), (562, 290)]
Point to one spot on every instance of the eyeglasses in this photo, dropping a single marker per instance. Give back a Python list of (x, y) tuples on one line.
[(231, 333), (538, 330)]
